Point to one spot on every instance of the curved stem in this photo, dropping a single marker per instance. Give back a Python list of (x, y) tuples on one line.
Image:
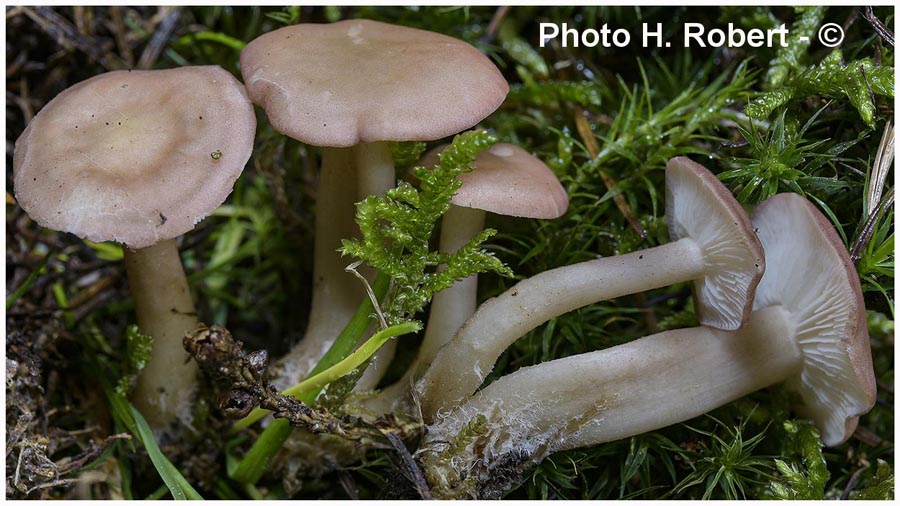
[(165, 311), (606, 395), (463, 363)]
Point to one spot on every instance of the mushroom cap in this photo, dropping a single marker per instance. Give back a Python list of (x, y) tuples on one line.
[(809, 273), (135, 157), (507, 180), (356, 81), (700, 207)]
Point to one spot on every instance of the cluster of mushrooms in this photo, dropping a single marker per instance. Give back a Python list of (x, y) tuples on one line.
[(140, 157)]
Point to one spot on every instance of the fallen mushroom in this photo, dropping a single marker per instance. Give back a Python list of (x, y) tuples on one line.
[(715, 247), (139, 157), (808, 331), (507, 180), (359, 84)]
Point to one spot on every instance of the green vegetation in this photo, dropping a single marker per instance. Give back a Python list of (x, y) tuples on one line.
[(805, 119), (397, 228)]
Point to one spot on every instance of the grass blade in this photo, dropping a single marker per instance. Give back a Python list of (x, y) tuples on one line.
[(127, 415), (256, 461)]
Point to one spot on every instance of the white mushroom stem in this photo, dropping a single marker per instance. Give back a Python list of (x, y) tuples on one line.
[(336, 294), (368, 169), (463, 363), (450, 308), (165, 311), (375, 172), (375, 168), (630, 389)]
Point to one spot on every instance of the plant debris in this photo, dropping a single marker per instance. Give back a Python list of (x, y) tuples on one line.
[(244, 374), (807, 119)]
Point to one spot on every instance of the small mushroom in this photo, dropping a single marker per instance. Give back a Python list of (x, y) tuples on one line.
[(507, 180), (807, 330), (351, 87), (139, 157), (715, 247)]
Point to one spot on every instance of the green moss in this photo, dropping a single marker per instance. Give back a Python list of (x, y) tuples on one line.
[(857, 82), (806, 479), (396, 230), (249, 264)]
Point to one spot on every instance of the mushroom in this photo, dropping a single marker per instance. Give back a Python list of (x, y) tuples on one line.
[(351, 87), (807, 330), (139, 157), (715, 247), (507, 180)]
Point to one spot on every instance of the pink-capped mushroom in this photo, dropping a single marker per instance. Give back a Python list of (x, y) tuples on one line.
[(140, 157)]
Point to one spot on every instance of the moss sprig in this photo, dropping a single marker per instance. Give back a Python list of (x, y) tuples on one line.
[(881, 486), (805, 480), (137, 350), (789, 58), (397, 227), (584, 93), (857, 82)]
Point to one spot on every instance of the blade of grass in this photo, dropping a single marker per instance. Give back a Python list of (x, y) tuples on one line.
[(224, 491), (257, 460), (131, 418), (254, 492), (125, 474), (157, 494), (178, 485), (220, 38), (20, 291), (316, 383)]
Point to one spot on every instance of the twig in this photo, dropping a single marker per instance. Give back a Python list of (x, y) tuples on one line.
[(121, 40), (93, 451), (91, 291), (411, 469), (55, 483), (868, 437), (13, 12), (67, 36), (18, 475), (160, 37), (854, 15), (851, 483), (347, 483), (13, 67), (875, 206), (83, 19), (884, 32), (496, 21), (590, 142), (23, 101)]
